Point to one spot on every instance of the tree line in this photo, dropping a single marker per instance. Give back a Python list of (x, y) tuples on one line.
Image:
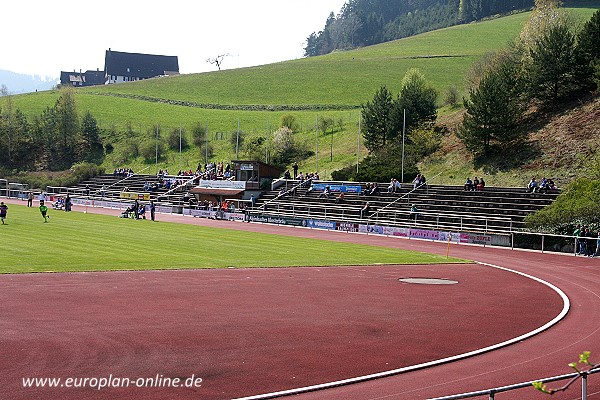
[(60, 138), (367, 22), (553, 62), (54, 140)]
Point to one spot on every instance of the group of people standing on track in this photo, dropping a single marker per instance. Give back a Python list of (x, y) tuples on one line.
[(587, 243)]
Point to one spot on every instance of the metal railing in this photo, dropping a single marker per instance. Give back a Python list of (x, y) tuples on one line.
[(491, 393), (391, 217), (281, 182), (472, 223), (407, 195), (478, 224)]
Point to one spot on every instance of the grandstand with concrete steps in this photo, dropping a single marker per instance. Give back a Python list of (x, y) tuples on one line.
[(493, 209), (116, 184)]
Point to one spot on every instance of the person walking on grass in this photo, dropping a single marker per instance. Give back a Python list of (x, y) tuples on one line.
[(68, 203), (3, 210), (152, 210), (44, 211)]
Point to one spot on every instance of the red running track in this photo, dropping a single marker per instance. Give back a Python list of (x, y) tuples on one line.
[(253, 331)]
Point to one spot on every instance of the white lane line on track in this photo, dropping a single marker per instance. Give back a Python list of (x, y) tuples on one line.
[(555, 320)]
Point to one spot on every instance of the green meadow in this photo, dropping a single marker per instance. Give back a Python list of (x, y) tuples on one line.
[(76, 241), (333, 86), (341, 78)]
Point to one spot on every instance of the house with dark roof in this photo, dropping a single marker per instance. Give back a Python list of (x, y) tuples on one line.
[(87, 78), (126, 67)]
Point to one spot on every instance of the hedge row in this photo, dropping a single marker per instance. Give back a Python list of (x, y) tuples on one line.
[(237, 107)]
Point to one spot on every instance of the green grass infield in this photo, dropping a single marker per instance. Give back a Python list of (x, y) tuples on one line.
[(75, 241)]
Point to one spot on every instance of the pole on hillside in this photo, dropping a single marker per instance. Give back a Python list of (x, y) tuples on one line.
[(317, 142), (206, 147), (358, 141), (237, 141), (403, 131), (180, 155), (157, 146), (267, 145)]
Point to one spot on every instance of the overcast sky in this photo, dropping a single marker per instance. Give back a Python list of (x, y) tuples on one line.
[(45, 37)]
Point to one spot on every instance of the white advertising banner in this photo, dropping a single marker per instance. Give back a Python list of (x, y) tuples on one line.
[(223, 184)]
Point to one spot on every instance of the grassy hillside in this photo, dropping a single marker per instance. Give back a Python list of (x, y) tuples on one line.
[(344, 79), (557, 148), (348, 77)]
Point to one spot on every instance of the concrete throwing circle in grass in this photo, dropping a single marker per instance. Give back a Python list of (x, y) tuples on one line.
[(428, 281)]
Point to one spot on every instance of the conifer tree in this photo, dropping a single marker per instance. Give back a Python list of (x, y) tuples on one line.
[(587, 53), (68, 128), (494, 108), (376, 120), (91, 148), (551, 72), (419, 101)]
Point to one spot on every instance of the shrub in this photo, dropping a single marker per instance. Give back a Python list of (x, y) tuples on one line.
[(579, 203), (451, 97), (83, 171), (199, 135), (40, 180), (176, 137), (150, 149), (375, 169)]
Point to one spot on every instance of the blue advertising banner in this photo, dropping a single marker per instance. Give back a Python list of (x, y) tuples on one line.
[(319, 224), (338, 188)]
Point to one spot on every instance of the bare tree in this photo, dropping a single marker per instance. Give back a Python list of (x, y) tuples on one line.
[(218, 60)]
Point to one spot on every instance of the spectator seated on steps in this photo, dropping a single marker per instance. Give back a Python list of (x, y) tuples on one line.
[(392, 186), (468, 184), (372, 189), (310, 189), (414, 212), (367, 190), (397, 186), (416, 181), (480, 185), (326, 193), (547, 185), (365, 210), (533, 186)]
